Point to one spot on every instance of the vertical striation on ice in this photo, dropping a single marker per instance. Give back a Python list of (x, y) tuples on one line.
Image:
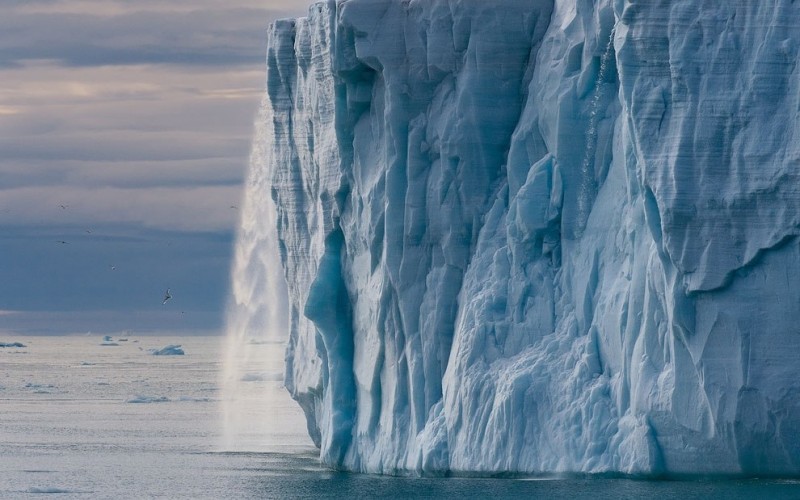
[(542, 236)]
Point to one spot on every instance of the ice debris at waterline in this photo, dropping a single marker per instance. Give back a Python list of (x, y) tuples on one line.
[(541, 236), (170, 350)]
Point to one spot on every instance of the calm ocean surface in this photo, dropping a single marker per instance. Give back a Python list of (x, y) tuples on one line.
[(83, 420)]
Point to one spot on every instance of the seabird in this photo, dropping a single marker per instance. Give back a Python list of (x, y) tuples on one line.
[(167, 296)]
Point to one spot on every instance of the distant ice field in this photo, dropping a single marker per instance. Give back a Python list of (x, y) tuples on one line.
[(83, 420), (88, 420)]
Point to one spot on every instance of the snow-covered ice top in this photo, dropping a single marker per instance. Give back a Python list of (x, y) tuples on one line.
[(542, 236)]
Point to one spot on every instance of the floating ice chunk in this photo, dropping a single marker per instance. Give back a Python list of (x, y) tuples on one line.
[(190, 399), (31, 385), (108, 341), (40, 388), (170, 350), (139, 399), (48, 490), (12, 344)]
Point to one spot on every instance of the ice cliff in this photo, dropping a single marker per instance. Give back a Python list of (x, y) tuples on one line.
[(541, 236)]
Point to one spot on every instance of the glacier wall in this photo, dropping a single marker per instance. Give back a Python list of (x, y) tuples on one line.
[(542, 236)]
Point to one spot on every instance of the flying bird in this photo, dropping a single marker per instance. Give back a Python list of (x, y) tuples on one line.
[(167, 296), (63, 242)]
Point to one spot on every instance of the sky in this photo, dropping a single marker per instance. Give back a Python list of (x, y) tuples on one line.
[(125, 129)]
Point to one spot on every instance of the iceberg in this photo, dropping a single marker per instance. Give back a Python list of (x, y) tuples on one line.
[(12, 345), (139, 399), (169, 350), (41, 388), (108, 341), (540, 236), (48, 490)]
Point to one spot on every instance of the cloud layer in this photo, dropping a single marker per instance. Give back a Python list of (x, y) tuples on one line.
[(124, 131)]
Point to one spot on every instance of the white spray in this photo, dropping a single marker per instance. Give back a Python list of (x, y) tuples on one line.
[(253, 399)]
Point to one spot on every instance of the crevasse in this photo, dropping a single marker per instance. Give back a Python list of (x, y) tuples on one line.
[(542, 236)]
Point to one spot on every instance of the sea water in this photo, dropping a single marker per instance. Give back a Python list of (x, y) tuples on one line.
[(79, 419)]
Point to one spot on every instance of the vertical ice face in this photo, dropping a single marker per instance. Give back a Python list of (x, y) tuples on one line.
[(711, 97), (542, 236)]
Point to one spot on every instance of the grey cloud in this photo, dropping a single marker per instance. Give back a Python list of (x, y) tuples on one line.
[(179, 209), (137, 118), (88, 130), (127, 174), (87, 100), (111, 147), (216, 37)]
